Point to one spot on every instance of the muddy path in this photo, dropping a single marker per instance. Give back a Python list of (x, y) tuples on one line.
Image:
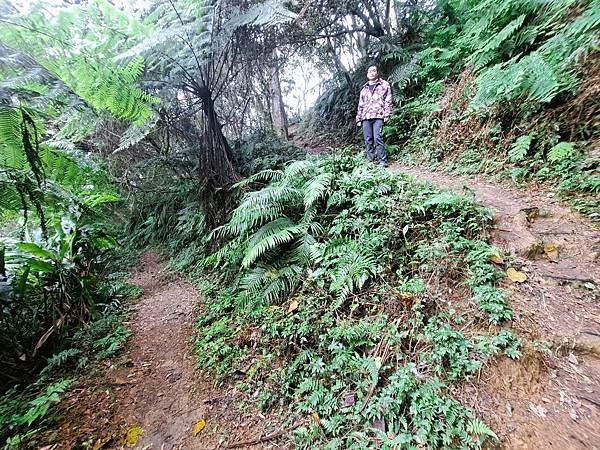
[(541, 401)]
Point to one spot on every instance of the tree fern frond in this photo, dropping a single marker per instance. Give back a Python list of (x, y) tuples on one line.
[(135, 133), (10, 199), (11, 137), (268, 13), (158, 38)]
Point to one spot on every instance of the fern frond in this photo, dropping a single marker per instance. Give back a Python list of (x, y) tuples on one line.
[(316, 188), (402, 74), (267, 175), (518, 151), (268, 13), (269, 237), (479, 57), (135, 133), (298, 168), (561, 152)]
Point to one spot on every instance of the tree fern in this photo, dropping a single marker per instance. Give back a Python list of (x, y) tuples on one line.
[(136, 133), (10, 199), (267, 13), (54, 42)]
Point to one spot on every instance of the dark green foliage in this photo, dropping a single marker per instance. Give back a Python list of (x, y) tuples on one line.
[(480, 71), (55, 265), (24, 412), (261, 151), (331, 119)]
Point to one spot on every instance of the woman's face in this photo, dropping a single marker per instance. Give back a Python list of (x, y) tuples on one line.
[(372, 73)]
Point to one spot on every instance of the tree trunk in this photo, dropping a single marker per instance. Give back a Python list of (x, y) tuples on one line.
[(338, 63), (215, 163), (280, 123)]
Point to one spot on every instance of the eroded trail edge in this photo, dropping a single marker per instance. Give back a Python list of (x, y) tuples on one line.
[(553, 401)]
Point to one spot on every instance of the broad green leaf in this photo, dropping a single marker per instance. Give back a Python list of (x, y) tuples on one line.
[(40, 266), (35, 250)]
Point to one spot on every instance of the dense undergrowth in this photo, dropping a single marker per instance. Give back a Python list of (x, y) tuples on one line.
[(506, 88), (343, 292), (62, 270)]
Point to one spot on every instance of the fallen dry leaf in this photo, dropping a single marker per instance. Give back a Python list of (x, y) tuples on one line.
[(293, 306), (348, 401), (379, 424), (199, 426), (538, 410), (515, 276), (497, 259), (316, 418), (573, 359), (133, 436), (551, 252)]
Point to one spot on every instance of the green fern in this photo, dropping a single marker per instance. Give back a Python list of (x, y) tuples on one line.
[(271, 236), (518, 151), (477, 427), (561, 152), (53, 41), (485, 54), (316, 188)]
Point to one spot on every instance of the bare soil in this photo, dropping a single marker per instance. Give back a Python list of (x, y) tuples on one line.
[(154, 385), (538, 401)]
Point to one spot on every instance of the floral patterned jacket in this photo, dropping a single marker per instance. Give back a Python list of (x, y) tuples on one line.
[(375, 105)]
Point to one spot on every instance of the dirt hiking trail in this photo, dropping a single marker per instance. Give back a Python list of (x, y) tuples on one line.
[(537, 402), (154, 388)]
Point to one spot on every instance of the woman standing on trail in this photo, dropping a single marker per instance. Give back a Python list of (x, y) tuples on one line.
[(374, 109)]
